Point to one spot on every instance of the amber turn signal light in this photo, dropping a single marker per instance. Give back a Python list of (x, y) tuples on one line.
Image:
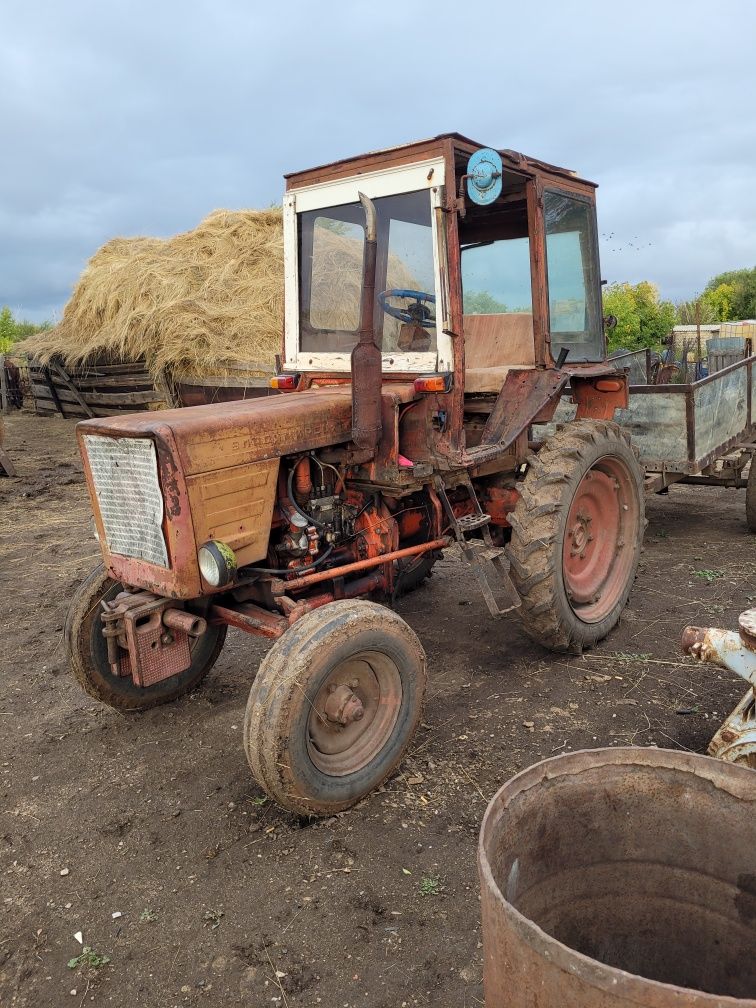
[(285, 382), (609, 385), (433, 383)]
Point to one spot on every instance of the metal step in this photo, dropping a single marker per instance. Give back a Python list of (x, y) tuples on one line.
[(490, 566), (489, 563), (468, 523)]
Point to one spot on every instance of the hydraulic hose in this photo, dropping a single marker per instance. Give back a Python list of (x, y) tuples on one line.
[(289, 570), (303, 514)]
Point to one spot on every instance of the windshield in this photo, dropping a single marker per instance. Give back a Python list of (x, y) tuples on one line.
[(573, 277), (331, 247)]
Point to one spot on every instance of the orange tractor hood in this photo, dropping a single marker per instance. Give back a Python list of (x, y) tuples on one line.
[(208, 438)]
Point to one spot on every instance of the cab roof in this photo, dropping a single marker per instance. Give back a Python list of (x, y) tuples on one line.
[(449, 144)]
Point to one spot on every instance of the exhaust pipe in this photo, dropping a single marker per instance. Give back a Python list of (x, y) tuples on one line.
[(366, 355)]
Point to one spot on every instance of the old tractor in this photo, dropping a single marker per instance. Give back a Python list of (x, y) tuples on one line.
[(440, 298)]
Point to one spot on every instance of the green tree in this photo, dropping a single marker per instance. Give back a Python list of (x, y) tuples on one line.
[(13, 330), (643, 319), (687, 312), (741, 297), (708, 308), (483, 303), (7, 329), (721, 300)]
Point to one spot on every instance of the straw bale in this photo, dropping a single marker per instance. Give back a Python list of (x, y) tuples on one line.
[(192, 304)]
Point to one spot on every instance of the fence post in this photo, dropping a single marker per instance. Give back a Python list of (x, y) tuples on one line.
[(4, 394)]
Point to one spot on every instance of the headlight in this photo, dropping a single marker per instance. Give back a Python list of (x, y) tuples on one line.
[(217, 563)]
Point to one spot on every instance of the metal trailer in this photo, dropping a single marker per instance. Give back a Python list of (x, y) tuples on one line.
[(702, 432)]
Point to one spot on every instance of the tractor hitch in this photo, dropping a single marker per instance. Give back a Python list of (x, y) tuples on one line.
[(148, 637)]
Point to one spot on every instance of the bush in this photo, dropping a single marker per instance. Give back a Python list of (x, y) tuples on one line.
[(13, 330)]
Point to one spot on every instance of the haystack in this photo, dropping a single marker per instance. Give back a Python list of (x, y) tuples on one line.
[(185, 304), (199, 303)]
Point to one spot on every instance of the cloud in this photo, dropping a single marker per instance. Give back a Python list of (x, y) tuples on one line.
[(139, 118)]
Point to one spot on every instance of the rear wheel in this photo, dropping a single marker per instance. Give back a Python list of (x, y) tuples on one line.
[(334, 707), (576, 535), (88, 653), (751, 495)]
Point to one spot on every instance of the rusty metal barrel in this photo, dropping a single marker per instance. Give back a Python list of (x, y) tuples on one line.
[(621, 878)]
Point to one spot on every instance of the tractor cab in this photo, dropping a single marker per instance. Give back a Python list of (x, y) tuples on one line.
[(486, 261)]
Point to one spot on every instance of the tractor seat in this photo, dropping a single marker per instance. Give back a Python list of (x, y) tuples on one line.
[(495, 345)]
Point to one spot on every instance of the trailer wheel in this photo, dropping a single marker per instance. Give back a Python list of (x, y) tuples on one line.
[(751, 496), (576, 534), (334, 707), (88, 653)]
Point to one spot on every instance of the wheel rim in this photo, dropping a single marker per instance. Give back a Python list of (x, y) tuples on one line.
[(599, 538), (354, 713)]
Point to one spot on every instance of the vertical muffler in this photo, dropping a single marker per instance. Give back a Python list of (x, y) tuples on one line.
[(366, 355)]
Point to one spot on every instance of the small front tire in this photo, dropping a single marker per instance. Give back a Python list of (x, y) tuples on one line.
[(334, 707)]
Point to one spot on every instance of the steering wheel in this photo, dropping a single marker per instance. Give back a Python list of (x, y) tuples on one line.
[(419, 312)]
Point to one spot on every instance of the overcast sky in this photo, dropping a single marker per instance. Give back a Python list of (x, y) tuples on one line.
[(127, 118)]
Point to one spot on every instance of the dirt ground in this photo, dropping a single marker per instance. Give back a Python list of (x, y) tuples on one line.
[(147, 835)]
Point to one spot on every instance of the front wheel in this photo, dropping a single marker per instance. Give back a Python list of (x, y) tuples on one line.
[(577, 532), (334, 707), (88, 652)]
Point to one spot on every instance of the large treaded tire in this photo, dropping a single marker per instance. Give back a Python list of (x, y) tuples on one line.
[(751, 495), (282, 701), (539, 531), (88, 653)]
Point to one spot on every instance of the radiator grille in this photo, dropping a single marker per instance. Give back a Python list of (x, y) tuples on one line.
[(124, 471)]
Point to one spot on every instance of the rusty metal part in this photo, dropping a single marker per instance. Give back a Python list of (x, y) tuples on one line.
[(621, 878), (354, 713), (599, 397), (747, 628), (356, 588), (148, 638), (523, 395), (499, 502), (179, 619), (343, 706), (251, 618), (602, 522), (367, 361), (691, 639), (726, 648), (735, 741), (217, 469), (316, 578), (303, 480)]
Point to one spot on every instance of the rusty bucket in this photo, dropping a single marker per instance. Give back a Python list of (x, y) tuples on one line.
[(622, 878)]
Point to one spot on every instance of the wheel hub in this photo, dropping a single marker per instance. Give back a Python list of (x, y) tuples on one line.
[(354, 713), (580, 534), (602, 515), (343, 706)]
